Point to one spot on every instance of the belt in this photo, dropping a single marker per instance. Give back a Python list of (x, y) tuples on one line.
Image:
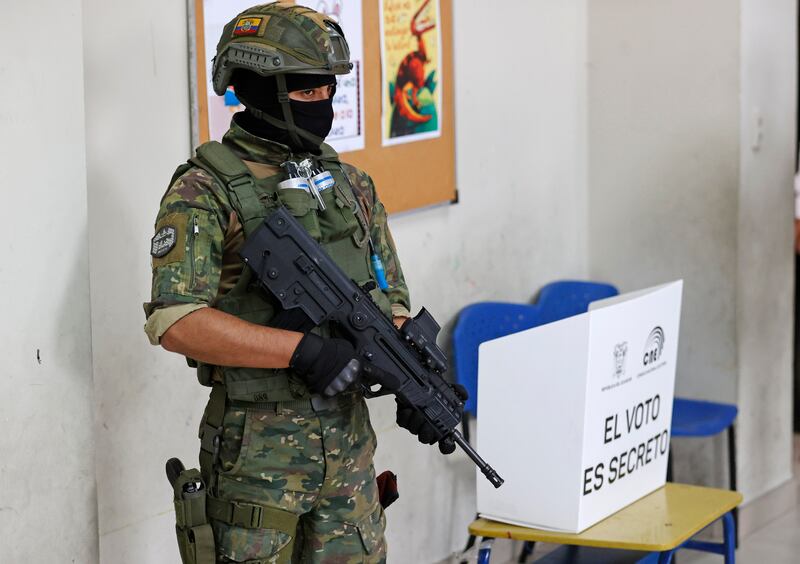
[(316, 403)]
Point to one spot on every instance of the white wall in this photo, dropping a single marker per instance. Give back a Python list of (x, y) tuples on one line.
[(664, 167), (518, 224), (676, 191), (148, 402), (765, 255), (47, 492)]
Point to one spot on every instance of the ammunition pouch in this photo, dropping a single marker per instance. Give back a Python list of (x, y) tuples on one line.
[(195, 537)]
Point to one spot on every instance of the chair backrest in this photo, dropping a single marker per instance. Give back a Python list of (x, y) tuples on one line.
[(484, 321), (566, 298), (481, 322)]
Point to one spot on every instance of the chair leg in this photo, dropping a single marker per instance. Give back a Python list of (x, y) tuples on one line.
[(485, 553), (470, 543), (732, 479), (527, 550), (729, 534), (665, 557)]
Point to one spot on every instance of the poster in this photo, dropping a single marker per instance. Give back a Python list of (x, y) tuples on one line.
[(411, 66), (347, 133)]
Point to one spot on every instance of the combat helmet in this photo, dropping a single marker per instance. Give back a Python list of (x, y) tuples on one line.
[(275, 39)]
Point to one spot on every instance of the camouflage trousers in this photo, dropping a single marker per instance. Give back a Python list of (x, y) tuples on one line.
[(316, 464)]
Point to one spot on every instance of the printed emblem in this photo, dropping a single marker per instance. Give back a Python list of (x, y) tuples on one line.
[(163, 241), (620, 353), (654, 346), (247, 26)]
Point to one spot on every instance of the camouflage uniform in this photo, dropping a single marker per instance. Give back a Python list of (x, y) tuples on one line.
[(313, 460)]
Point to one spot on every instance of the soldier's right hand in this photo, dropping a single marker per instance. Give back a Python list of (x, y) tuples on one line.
[(329, 366)]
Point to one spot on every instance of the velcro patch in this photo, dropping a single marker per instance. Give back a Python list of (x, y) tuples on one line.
[(163, 241), (247, 26)]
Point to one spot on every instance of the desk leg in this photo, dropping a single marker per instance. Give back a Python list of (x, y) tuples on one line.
[(729, 533), (665, 557), (732, 477), (485, 552)]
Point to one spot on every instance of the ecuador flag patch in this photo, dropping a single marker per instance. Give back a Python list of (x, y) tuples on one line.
[(247, 26)]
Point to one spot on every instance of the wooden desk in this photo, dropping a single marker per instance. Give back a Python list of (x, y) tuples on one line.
[(662, 522)]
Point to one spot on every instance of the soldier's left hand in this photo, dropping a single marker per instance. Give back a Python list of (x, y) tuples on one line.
[(412, 420)]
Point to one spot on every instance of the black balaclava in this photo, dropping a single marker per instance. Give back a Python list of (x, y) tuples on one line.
[(261, 93)]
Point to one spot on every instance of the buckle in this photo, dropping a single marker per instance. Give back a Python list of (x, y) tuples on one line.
[(217, 441), (240, 181), (255, 517)]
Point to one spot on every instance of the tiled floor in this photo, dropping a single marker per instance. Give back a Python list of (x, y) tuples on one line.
[(777, 543)]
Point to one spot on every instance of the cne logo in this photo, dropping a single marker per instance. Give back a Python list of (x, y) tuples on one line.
[(654, 346)]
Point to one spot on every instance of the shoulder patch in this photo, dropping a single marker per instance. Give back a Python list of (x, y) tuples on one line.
[(168, 245), (163, 241)]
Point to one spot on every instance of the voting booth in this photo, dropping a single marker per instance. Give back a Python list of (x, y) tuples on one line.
[(575, 415)]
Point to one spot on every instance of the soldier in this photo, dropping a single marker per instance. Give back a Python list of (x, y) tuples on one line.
[(287, 460)]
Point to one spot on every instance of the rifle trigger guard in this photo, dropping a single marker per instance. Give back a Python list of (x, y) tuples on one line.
[(369, 393)]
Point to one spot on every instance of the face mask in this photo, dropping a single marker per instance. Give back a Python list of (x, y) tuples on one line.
[(314, 117)]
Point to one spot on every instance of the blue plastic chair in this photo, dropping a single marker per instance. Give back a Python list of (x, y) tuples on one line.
[(481, 322), (484, 321), (697, 418), (566, 298)]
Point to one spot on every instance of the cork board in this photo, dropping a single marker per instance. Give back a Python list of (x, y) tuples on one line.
[(408, 176)]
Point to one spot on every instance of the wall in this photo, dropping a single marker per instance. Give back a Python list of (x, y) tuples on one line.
[(47, 491), (664, 167), (765, 256), (676, 191), (148, 403), (517, 225)]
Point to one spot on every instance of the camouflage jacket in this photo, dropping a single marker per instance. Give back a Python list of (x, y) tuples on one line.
[(186, 279)]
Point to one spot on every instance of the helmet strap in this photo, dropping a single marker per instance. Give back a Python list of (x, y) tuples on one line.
[(283, 98)]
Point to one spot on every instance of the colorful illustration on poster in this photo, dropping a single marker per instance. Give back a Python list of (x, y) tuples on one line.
[(347, 133), (411, 67)]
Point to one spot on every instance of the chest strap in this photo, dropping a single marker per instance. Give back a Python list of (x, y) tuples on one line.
[(231, 172)]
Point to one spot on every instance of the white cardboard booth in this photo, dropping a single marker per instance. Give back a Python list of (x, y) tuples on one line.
[(575, 415)]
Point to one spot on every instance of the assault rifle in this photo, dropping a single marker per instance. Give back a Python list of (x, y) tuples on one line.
[(294, 268)]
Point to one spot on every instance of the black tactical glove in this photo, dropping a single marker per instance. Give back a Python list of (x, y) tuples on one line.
[(411, 419), (328, 366)]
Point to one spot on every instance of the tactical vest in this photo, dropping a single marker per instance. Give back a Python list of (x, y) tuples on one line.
[(341, 229)]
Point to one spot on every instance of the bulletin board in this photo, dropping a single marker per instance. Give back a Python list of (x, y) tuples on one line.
[(412, 168)]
